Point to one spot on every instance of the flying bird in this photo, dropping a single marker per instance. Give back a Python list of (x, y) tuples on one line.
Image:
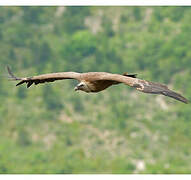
[(93, 82)]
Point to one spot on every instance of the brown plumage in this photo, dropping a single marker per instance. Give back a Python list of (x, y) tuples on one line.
[(98, 81)]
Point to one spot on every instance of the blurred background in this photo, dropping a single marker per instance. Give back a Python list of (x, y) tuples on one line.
[(52, 129)]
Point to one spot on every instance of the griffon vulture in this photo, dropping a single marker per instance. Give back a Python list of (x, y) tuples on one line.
[(98, 81)]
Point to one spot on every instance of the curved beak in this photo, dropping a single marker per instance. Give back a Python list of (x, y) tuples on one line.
[(76, 88)]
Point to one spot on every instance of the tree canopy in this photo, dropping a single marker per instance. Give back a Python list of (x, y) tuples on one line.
[(52, 129)]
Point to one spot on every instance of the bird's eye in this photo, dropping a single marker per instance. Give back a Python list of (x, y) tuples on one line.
[(81, 85)]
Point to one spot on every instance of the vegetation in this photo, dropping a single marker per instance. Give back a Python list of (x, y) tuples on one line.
[(51, 129)]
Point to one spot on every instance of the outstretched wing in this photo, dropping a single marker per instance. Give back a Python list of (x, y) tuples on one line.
[(141, 85), (44, 77)]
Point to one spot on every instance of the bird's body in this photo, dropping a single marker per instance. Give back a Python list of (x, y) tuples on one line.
[(93, 82)]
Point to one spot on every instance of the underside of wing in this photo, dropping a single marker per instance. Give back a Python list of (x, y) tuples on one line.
[(44, 77)]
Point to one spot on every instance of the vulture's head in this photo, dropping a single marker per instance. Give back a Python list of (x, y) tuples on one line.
[(82, 86)]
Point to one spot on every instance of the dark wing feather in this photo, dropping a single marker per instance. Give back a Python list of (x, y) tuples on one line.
[(130, 75), (157, 88), (12, 75), (44, 77)]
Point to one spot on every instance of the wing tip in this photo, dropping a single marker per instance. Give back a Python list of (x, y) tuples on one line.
[(12, 76), (186, 101), (157, 88), (176, 96)]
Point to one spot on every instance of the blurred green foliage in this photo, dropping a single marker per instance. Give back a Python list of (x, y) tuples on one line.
[(52, 129)]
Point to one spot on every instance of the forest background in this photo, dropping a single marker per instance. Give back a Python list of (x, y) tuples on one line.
[(52, 129)]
